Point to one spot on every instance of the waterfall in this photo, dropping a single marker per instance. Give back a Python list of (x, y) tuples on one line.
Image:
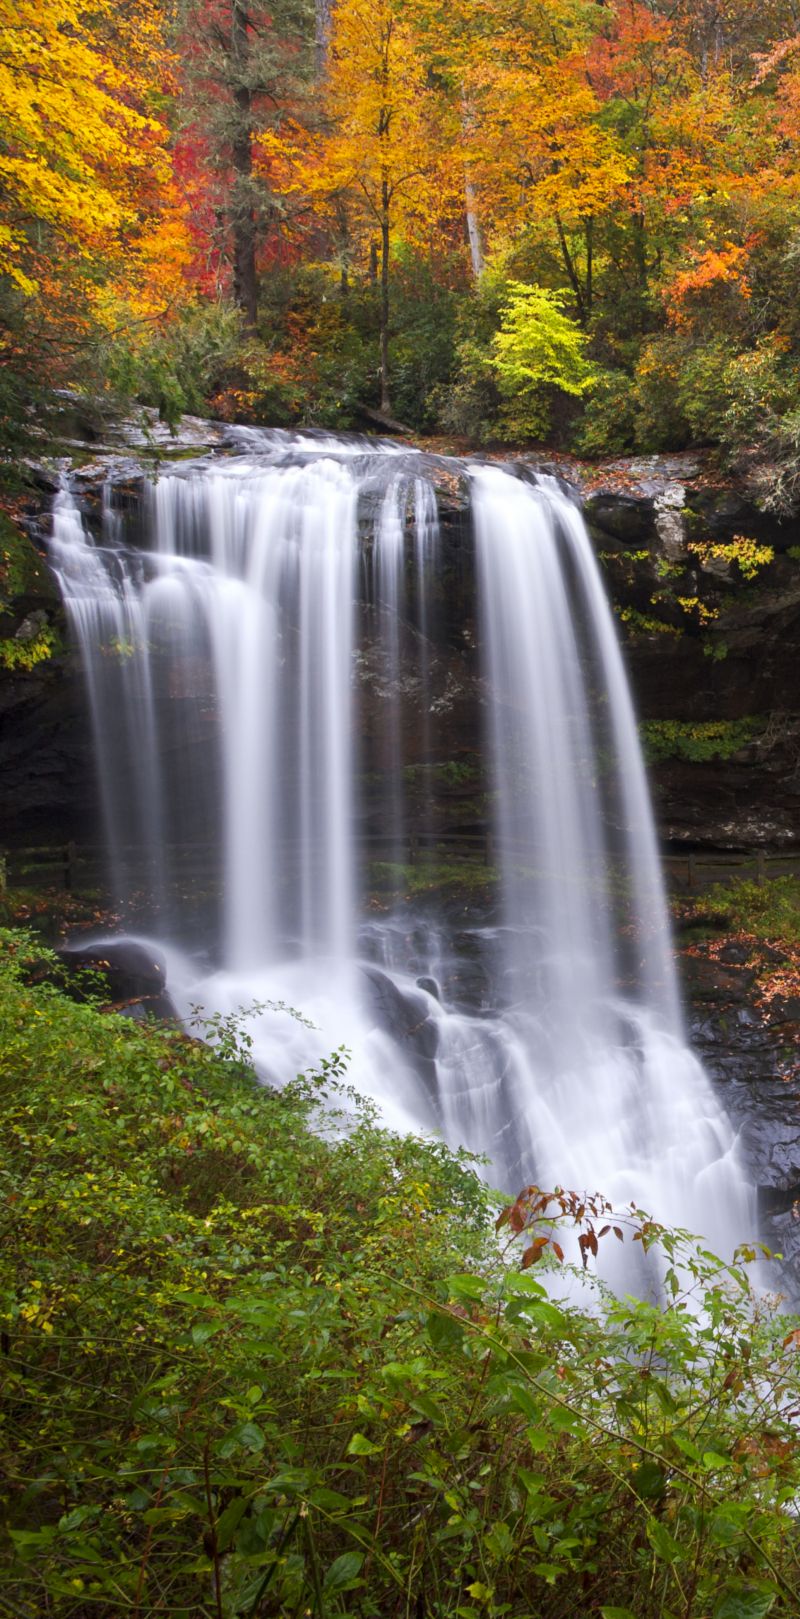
[(260, 671)]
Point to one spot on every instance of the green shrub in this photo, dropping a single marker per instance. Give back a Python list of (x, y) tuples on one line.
[(697, 740), (769, 910), (422, 345), (705, 386), (660, 417), (608, 423), (178, 366), (469, 403), (255, 1367)]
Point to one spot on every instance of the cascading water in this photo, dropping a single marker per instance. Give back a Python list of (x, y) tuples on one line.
[(227, 662)]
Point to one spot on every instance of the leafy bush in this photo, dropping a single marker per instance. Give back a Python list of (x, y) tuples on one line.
[(768, 910), (779, 441), (608, 424), (24, 653), (256, 1368), (422, 347), (660, 417), (748, 555), (177, 366), (697, 740)]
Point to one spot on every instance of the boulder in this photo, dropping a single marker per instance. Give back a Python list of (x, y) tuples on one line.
[(130, 969), (629, 520)]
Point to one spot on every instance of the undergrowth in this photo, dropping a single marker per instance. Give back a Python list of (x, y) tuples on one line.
[(768, 910), (253, 1367)]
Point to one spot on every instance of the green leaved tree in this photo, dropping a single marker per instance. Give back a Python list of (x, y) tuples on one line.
[(537, 352)]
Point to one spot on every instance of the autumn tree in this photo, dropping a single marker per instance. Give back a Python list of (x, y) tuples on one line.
[(88, 214), (386, 151), (81, 153), (244, 68)]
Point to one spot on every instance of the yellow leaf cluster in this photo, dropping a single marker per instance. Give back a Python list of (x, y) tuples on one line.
[(390, 144), (78, 146)]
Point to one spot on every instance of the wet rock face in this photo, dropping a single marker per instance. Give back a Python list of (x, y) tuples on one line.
[(707, 589), (704, 643), (750, 1047), (46, 757)]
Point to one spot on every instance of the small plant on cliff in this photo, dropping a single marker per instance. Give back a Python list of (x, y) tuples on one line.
[(697, 740), (749, 556), (25, 653)]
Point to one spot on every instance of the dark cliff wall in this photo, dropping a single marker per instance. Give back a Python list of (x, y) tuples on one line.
[(707, 591)]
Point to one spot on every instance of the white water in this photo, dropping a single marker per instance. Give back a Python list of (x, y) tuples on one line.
[(224, 667)]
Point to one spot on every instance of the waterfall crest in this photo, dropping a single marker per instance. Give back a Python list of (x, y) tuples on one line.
[(227, 657)]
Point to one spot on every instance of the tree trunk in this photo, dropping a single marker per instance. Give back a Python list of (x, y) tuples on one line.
[(569, 265), (471, 201), (323, 12), (385, 198), (473, 228), (243, 219), (588, 231)]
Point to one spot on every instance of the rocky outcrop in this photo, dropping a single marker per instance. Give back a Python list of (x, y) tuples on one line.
[(707, 590), (748, 1039)]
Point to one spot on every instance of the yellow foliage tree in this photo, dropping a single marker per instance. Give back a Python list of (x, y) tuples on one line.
[(388, 149), (78, 146)]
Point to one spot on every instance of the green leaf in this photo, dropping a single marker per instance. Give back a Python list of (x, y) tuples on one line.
[(712, 1461), (466, 1287), (343, 1572), (520, 1396), (549, 1572), (538, 1439), (662, 1542), (525, 1286), (329, 1500), (687, 1445), (203, 1330), (426, 1407), (156, 1515), (548, 1315), (745, 1602), (360, 1445), (229, 1521), (617, 1613), (649, 1480), (500, 1540), (250, 1436), (443, 1330), (564, 1421)]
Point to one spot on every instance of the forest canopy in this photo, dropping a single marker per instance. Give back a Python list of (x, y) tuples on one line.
[(299, 214)]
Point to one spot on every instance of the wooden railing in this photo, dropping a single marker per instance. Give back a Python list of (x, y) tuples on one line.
[(73, 866)]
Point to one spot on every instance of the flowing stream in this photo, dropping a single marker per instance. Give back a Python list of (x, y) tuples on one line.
[(264, 647)]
